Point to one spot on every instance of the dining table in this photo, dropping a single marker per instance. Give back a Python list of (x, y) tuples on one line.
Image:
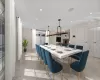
[(60, 52)]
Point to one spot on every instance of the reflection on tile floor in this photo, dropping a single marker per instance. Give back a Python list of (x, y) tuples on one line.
[(29, 68)]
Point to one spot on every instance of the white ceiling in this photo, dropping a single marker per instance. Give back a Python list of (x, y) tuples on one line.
[(52, 10)]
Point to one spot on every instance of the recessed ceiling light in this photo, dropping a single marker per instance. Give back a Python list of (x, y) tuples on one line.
[(36, 18), (40, 9), (71, 21), (90, 13), (70, 9)]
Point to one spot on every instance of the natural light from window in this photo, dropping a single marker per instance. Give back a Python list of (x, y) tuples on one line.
[(36, 73)]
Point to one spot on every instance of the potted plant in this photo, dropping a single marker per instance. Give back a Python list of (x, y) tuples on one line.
[(25, 43)]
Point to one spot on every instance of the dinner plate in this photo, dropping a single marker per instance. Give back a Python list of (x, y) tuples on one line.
[(67, 50), (59, 52), (53, 49)]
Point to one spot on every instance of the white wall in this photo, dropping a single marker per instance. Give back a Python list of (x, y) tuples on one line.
[(81, 35), (85, 36), (39, 38), (27, 34), (33, 38), (10, 39), (19, 29), (52, 39)]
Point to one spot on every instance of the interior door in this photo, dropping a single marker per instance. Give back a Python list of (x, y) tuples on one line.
[(86, 46), (97, 43), (91, 41)]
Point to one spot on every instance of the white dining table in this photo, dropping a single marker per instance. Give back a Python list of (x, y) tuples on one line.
[(60, 51)]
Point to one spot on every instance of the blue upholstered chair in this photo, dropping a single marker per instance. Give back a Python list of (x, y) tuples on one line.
[(53, 66), (65, 45), (44, 56), (79, 66), (79, 47), (71, 46), (37, 49), (78, 55), (44, 59)]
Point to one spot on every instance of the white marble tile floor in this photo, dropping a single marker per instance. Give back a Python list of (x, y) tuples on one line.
[(29, 68)]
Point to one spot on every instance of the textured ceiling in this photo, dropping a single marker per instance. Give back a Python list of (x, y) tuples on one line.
[(52, 10)]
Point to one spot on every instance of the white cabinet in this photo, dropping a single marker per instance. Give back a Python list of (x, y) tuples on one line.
[(73, 32), (52, 39), (81, 36)]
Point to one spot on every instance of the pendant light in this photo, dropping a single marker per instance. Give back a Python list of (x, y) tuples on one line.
[(59, 27)]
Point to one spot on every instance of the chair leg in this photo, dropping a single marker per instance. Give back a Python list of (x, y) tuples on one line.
[(78, 75), (38, 57), (44, 65), (47, 70), (61, 75), (70, 71), (71, 60), (53, 76), (40, 61)]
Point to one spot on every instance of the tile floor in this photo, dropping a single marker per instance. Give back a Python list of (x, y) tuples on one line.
[(29, 68)]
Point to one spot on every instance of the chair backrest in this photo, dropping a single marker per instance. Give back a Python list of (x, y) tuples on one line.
[(45, 43), (71, 45), (65, 45), (39, 49), (36, 48), (43, 55), (79, 47), (49, 60), (83, 60)]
